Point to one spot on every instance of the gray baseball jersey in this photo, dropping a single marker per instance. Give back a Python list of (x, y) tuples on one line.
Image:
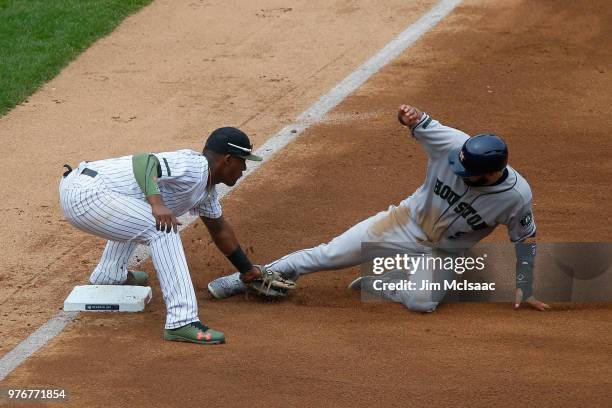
[(451, 213)]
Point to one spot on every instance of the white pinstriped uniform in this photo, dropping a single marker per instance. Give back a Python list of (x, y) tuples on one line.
[(443, 213), (111, 205)]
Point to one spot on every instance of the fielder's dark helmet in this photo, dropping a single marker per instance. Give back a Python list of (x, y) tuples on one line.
[(480, 154)]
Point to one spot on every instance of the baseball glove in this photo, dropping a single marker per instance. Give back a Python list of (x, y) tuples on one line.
[(270, 285)]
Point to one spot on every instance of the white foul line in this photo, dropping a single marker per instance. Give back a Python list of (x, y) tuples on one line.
[(316, 113)]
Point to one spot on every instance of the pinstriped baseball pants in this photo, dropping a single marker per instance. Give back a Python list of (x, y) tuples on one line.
[(126, 222)]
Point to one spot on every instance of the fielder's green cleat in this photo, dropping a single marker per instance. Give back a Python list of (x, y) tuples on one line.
[(195, 332), (137, 278)]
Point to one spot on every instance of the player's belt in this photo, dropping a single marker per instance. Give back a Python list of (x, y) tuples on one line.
[(89, 172)]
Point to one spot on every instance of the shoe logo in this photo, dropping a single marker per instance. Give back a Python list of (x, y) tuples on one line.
[(206, 336)]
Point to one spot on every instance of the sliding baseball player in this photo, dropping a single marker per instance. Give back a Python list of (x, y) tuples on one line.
[(468, 191)]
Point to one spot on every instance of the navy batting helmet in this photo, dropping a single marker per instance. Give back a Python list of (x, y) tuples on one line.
[(481, 154)]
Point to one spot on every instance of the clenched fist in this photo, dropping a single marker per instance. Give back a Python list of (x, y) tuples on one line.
[(409, 115)]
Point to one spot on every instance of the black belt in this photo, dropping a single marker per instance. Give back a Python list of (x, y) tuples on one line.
[(89, 172), (68, 171)]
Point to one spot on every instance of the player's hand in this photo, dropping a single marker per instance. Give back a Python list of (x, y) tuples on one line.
[(531, 301), (409, 115), (251, 275), (164, 218)]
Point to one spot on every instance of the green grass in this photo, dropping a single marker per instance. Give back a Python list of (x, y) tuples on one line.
[(40, 37)]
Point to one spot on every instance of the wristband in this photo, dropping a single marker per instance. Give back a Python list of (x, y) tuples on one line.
[(524, 279), (525, 259), (239, 259)]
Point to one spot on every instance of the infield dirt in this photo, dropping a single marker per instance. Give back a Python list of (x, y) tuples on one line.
[(535, 72)]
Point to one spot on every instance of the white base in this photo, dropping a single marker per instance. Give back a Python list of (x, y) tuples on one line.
[(108, 298)]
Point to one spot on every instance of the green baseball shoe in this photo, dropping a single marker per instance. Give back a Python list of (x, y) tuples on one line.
[(137, 278), (195, 332)]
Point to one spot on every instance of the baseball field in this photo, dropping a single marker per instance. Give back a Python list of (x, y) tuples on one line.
[(535, 72)]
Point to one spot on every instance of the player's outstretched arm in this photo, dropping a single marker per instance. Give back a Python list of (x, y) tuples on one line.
[(262, 281), (437, 139), (223, 236), (525, 257)]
